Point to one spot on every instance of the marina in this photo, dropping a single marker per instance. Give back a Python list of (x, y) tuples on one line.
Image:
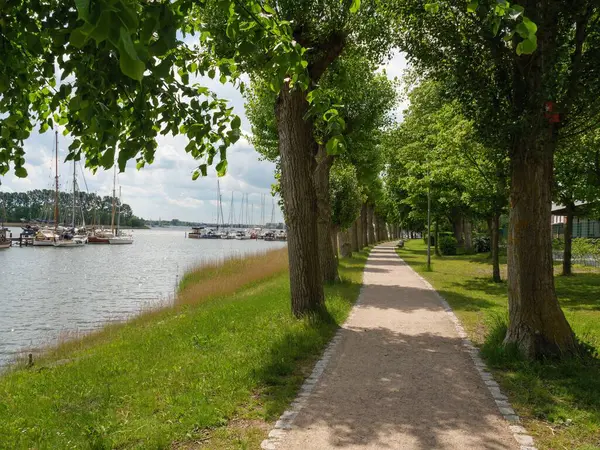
[(48, 294)]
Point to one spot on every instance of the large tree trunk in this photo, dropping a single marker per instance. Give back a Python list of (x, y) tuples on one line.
[(457, 227), (364, 241), (370, 224), (567, 256), (536, 322), (344, 243), (297, 149), (468, 235), (354, 236), (327, 254), (494, 225)]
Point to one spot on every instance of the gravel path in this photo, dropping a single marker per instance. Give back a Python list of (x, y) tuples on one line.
[(399, 377)]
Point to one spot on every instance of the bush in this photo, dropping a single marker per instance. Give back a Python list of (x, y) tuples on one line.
[(558, 244), (481, 244), (585, 248), (448, 245)]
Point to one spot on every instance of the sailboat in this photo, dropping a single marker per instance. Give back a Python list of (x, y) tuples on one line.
[(67, 239), (119, 237), (46, 237)]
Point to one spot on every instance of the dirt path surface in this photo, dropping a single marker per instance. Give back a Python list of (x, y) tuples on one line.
[(399, 377)]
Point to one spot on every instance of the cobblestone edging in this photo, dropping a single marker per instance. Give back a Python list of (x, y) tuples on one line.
[(284, 424), (519, 433)]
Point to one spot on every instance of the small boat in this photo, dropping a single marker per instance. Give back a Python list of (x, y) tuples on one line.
[(121, 239), (230, 235), (99, 236), (241, 236), (269, 236), (45, 238), (5, 242), (196, 233), (281, 236), (210, 234), (70, 243)]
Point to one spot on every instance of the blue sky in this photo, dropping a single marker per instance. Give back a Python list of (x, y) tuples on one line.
[(165, 189)]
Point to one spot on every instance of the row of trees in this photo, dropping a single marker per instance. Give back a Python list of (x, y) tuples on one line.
[(520, 74), (38, 205)]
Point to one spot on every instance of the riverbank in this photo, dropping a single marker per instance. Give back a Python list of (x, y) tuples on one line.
[(559, 403), (214, 371)]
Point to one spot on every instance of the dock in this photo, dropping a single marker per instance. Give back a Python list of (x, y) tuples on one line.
[(23, 241)]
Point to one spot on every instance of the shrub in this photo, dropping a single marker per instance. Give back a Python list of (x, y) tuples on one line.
[(558, 244), (448, 245), (583, 248), (481, 244)]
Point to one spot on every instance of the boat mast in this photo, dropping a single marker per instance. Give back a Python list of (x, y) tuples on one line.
[(74, 193), (112, 220), (56, 182), (119, 216)]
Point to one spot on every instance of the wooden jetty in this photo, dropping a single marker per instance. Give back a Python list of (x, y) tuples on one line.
[(23, 241)]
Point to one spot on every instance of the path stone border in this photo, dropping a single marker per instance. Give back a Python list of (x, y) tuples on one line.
[(284, 424), (520, 434)]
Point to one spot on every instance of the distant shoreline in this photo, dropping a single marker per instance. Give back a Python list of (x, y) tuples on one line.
[(20, 224)]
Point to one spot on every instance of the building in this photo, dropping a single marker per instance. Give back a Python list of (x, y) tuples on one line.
[(583, 227)]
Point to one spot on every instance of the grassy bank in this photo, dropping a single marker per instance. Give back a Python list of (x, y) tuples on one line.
[(211, 372), (558, 402)]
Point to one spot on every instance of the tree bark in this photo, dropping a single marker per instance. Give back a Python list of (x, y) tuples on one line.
[(457, 227), (468, 235), (363, 226), (344, 242), (297, 149), (567, 256), (354, 236), (370, 224), (536, 322), (327, 253), (494, 225), (437, 238)]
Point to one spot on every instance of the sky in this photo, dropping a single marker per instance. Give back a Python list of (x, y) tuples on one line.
[(165, 188)]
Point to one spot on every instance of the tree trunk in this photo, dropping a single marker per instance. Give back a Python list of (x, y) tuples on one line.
[(567, 256), (457, 227), (494, 225), (436, 236), (536, 322), (327, 254), (468, 236), (354, 236), (363, 226), (297, 149), (370, 224), (344, 242)]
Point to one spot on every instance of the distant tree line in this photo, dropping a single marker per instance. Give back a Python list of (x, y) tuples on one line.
[(38, 205)]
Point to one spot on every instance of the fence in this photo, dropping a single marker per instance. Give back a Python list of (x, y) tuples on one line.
[(587, 260)]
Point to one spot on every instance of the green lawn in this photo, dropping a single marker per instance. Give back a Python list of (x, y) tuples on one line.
[(558, 402), (213, 374)]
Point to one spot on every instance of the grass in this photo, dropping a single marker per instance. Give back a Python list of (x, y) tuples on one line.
[(559, 402), (213, 371)]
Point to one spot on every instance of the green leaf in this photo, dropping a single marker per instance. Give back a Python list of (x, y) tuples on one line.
[(432, 8), (77, 38), (335, 145), (127, 44), (531, 26), (269, 9), (236, 123), (472, 6), (132, 68), (496, 25), (527, 46), (202, 168), (83, 9), (195, 175), (21, 172), (222, 168), (355, 6), (515, 11), (102, 28), (522, 30)]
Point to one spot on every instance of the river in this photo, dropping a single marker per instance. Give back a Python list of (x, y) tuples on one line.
[(48, 292)]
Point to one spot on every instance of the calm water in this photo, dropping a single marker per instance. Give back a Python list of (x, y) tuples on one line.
[(46, 291)]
